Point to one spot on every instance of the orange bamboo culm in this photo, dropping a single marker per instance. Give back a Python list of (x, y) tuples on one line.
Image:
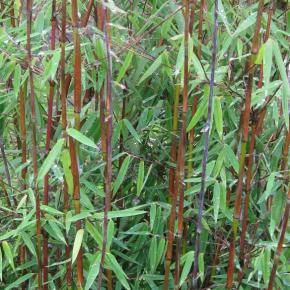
[(47, 146), (176, 182), (34, 148), (285, 218), (64, 85), (107, 143), (180, 172), (245, 130), (73, 145), (256, 130)]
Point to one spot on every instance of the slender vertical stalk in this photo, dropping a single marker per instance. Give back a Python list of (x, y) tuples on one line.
[(34, 147), (22, 128), (191, 17), (255, 131), (72, 144), (108, 171), (182, 147), (47, 147), (206, 147), (280, 242), (200, 26), (173, 141), (86, 16), (77, 206), (195, 98), (12, 14), (23, 134), (77, 65), (5, 161), (64, 84), (245, 130), (285, 219), (172, 192), (247, 197)]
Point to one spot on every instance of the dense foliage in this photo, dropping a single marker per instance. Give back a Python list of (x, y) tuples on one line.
[(144, 144)]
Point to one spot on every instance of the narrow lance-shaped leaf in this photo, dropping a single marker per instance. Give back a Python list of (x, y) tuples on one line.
[(155, 65), (125, 66), (140, 177), (77, 244), (50, 159), (93, 272), (132, 130), (8, 253), (122, 173), (115, 266), (218, 116), (77, 135), (286, 86)]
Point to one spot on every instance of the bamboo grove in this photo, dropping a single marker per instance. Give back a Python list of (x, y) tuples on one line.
[(144, 144)]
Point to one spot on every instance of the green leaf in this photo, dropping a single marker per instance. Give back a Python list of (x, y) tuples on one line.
[(111, 228), (260, 56), (95, 234), (187, 266), (197, 66), (17, 79), (267, 64), (66, 164), (50, 159), (57, 231), (140, 177), (248, 22), (77, 135), (160, 250), (216, 200), (120, 213), (132, 130), (201, 266), (153, 254), (125, 65), (197, 116), (117, 269), (218, 117), (77, 244), (231, 157), (286, 87), (223, 16), (152, 215), (28, 243), (155, 65), (51, 67), (50, 210), (266, 266), (268, 191), (1, 265), (8, 253), (77, 217), (93, 271), (19, 281), (121, 174)]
